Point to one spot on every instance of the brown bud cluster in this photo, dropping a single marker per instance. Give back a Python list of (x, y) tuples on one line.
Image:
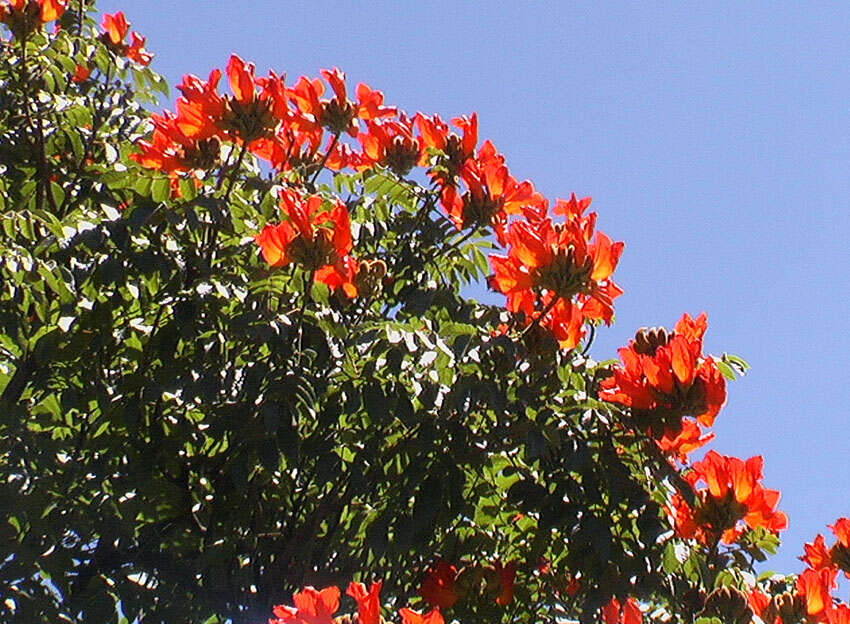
[(455, 155), (402, 155), (649, 340), (250, 121), (204, 155), (564, 275), (351, 618), (729, 605), (720, 514), (337, 115), (369, 280), (479, 211), (313, 254), (840, 556), (790, 608)]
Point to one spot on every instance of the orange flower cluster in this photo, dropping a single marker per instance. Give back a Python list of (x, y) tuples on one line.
[(282, 125), (506, 574), (819, 557), (314, 606), (731, 499), (666, 380), (439, 588), (24, 17), (811, 601), (559, 275), (115, 28), (557, 271), (627, 613), (317, 239), (492, 193), (286, 126), (391, 143)]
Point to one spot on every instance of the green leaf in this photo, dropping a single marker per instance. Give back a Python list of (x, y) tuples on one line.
[(160, 189), (727, 371), (188, 188), (143, 186), (670, 561)]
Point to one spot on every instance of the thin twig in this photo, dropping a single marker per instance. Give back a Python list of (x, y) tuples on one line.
[(331, 147), (81, 12), (217, 225), (299, 332), (590, 338), (460, 241), (540, 316)]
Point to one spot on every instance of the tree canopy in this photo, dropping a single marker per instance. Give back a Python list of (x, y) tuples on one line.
[(240, 368)]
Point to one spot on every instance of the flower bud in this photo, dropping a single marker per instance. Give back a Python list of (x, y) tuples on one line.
[(729, 605)]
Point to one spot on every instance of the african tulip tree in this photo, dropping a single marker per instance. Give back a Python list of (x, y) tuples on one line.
[(238, 373)]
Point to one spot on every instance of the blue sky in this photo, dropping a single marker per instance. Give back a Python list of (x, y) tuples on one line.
[(713, 137)]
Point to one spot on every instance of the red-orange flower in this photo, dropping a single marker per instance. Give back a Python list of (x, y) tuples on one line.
[(839, 615), (81, 73), (817, 554), (371, 103), (115, 28), (816, 586), (338, 114), (571, 584), (368, 602), (409, 616), (664, 377), (438, 588), (391, 143), (819, 557), (731, 499), (561, 268), (171, 150), (689, 439), (200, 109), (758, 601), (241, 77), (274, 90), (247, 116), (455, 149), (137, 52), (629, 613), (507, 575), (312, 236), (52, 9), (492, 193), (311, 607), (841, 529)]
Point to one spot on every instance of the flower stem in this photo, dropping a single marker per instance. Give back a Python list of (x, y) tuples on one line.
[(299, 332), (231, 178), (540, 316), (460, 241), (327, 155)]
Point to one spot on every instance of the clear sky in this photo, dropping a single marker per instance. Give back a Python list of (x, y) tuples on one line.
[(713, 137)]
